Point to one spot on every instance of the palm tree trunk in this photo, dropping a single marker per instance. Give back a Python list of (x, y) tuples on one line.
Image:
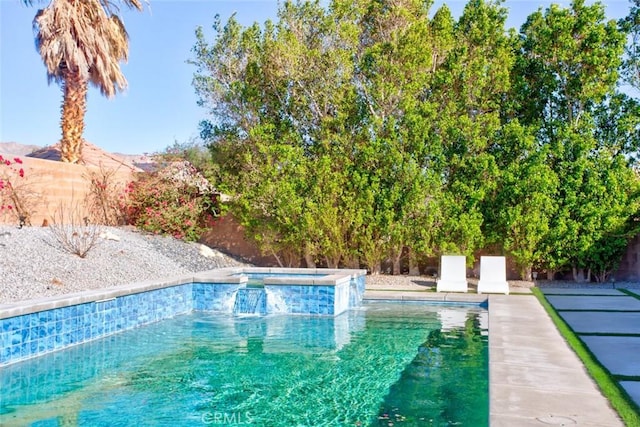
[(74, 106)]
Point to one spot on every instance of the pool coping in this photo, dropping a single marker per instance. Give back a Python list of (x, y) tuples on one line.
[(222, 275), (19, 308)]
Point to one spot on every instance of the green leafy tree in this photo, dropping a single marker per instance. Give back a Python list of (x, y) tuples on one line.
[(356, 133), (283, 100), (471, 84), (570, 62), (631, 25), (519, 211), (396, 71), (568, 68)]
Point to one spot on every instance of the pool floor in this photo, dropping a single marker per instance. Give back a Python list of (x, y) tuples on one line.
[(383, 365)]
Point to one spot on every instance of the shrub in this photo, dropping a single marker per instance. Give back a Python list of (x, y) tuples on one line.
[(71, 231), (175, 200), (16, 198), (104, 200)]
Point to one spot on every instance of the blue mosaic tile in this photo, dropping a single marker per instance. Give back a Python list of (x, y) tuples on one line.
[(23, 349), (15, 338), (5, 353), (37, 333)]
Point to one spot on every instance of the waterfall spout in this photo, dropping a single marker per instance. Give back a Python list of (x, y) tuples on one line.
[(250, 301)]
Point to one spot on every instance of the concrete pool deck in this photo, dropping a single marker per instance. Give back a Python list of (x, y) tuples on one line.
[(535, 379)]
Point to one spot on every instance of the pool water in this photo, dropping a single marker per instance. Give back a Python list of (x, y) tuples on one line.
[(256, 280), (259, 277), (387, 364)]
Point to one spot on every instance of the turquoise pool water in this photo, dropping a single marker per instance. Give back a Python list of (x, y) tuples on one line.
[(382, 365), (262, 276), (257, 279)]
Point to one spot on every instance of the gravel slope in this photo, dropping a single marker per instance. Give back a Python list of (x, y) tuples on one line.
[(33, 264)]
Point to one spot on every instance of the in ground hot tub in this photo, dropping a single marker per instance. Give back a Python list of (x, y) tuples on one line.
[(261, 291)]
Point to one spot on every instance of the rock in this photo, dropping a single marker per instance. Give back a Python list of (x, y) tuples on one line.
[(107, 235), (207, 252)]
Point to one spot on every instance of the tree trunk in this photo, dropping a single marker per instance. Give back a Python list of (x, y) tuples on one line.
[(414, 268), (352, 262), (308, 257), (332, 262), (579, 275), (375, 269), (396, 256), (396, 266), (74, 106)]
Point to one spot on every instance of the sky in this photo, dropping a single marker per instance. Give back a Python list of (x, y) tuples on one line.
[(159, 106)]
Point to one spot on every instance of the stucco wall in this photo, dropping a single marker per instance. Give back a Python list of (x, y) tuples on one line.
[(48, 185), (629, 269), (228, 236)]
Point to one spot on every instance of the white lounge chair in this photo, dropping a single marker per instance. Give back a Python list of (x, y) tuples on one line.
[(453, 274), (493, 275)]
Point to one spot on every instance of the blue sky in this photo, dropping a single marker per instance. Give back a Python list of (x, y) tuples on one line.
[(159, 106)]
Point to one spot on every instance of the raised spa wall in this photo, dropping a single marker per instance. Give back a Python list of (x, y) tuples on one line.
[(35, 327)]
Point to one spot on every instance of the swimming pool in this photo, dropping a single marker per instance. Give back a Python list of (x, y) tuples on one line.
[(385, 364), (36, 327)]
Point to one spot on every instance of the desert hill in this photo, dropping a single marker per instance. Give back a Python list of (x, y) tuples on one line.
[(16, 149), (92, 155)]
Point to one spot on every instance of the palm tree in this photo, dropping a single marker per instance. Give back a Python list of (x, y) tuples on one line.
[(81, 42)]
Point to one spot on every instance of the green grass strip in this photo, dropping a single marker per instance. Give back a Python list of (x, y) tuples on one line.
[(584, 295), (608, 334), (594, 310), (627, 377), (631, 294), (628, 411)]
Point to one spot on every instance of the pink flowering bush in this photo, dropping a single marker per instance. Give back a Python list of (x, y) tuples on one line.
[(160, 203), (13, 201)]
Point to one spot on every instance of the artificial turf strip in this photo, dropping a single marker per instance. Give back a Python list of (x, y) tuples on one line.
[(627, 377), (631, 294), (593, 310), (584, 295), (628, 411), (608, 334)]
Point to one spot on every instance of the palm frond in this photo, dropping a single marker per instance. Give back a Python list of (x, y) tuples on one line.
[(84, 37)]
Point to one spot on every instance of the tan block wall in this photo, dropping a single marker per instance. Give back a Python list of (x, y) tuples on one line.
[(48, 185), (228, 236), (629, 269)]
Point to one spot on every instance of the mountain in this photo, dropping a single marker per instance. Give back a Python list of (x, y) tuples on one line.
[(16, 149), (92, 155)]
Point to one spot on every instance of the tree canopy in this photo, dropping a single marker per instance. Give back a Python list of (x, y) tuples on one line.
[(372, 130)]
